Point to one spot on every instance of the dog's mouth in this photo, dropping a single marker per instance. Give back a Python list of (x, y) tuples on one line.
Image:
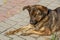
[(33, 22)]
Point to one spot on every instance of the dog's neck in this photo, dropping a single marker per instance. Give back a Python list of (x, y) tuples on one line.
[(49, 10)]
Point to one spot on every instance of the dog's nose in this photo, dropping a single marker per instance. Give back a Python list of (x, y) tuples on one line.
[(33, 22)]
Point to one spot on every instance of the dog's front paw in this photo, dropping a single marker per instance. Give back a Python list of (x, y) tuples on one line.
[(25, 34), (10, 33)]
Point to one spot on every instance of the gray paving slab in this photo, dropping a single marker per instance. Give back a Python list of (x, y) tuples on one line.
[(2, 37), (10, 22)]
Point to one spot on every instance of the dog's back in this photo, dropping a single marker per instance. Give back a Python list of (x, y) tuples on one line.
[(58, 13), (58, 17)]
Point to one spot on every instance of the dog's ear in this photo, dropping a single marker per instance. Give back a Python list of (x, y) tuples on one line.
[(42, 8), (45, 9), (27, 7)]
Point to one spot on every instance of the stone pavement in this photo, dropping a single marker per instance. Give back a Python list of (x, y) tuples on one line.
[(22, 19), (9, 8)]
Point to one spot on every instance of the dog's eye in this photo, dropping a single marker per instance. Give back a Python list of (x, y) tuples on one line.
[(38, 12)]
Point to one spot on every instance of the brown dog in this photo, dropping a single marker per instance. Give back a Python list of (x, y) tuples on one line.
[(43, 21)]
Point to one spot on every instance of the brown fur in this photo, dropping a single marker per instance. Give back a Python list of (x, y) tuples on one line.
[(43, 21)]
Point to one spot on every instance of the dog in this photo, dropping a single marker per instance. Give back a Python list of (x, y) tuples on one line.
[(43, 21)]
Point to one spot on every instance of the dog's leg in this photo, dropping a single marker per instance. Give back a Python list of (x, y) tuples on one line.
[(22, 29), (27, 30), (41, 33), (41, 23)]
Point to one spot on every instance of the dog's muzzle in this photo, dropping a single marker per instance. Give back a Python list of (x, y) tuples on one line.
[(33, 22)]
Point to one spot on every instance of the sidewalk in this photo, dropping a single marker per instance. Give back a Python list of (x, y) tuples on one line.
[(21, 19)]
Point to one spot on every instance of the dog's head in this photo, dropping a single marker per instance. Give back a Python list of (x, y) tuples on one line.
[(36, 12)]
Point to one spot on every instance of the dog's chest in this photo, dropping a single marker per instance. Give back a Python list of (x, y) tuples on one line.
[(49, 22)]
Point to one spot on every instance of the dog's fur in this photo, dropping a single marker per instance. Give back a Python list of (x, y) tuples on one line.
[(43, 21)]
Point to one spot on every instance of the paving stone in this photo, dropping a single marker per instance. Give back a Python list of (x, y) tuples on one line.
[(45, 2), (14, 18), (53, 5), (2, 37), (1, 2), (5, 25), (14, 37), (18, 25), (44, 38), (27, 37), (19, 17), (57, 1), (10, 22), (2, 28)]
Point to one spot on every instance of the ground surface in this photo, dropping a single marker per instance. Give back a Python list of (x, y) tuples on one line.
[(12, 17)]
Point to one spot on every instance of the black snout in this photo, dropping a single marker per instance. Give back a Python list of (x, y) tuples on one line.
[(33, 22)]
